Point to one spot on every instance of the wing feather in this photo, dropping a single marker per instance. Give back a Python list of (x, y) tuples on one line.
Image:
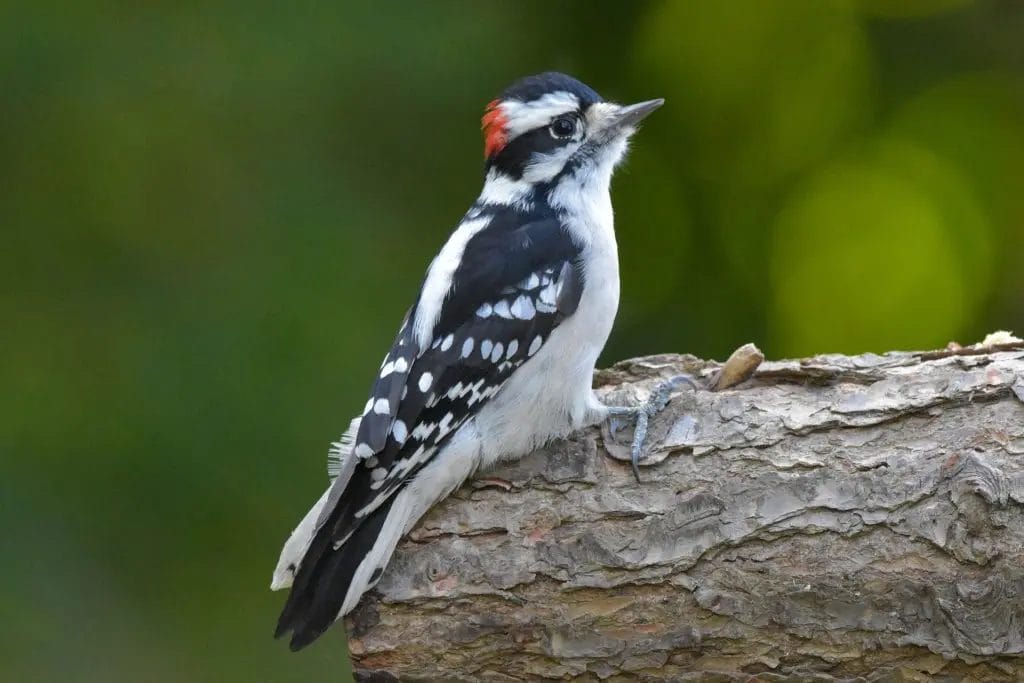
[(515, 284), (514, 288)]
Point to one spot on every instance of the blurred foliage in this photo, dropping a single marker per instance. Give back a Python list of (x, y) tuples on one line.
[(215, 214)]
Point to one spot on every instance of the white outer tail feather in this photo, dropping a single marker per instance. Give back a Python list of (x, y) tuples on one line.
[(295, 547), (436, 481), (340, 465)]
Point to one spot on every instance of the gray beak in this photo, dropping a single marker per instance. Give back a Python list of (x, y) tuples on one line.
[(632, 114)]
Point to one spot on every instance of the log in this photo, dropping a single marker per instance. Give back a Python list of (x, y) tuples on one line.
[(829, 519)]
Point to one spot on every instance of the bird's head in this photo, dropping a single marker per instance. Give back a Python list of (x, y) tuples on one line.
[(551, 125)]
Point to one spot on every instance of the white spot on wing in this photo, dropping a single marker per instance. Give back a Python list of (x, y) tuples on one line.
[(501, 308), (426, 379), (423, 431), (478, 395), (363, 451), (381, 406), (467, 347), (523, 308), (545, 308), (535, 345), (447, 343), (485, 348), (399, 431), (401, 365), (484, 311), (547, 295), (513, 346), (445, 425), (499, 349)]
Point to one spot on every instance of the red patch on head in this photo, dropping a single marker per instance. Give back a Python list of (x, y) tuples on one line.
[(495, 133)]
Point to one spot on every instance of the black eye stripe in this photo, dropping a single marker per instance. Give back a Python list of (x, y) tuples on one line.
[(514, 157)]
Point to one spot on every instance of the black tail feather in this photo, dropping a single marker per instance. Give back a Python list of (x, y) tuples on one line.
[(324, 577)]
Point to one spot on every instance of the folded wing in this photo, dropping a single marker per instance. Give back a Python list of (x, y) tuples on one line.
[(514, 286)]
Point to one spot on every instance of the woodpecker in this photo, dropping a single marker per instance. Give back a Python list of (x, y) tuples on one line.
[(496, 355)]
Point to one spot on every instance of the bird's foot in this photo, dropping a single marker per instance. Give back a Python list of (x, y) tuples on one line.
[(643, 413)]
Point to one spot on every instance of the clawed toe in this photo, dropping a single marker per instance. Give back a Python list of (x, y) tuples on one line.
[(642, 414)]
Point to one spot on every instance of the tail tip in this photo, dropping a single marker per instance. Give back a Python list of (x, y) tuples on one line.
[(303, 637), (302, 634)]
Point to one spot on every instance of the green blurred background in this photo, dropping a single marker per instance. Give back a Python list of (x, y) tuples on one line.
[(215, 214)]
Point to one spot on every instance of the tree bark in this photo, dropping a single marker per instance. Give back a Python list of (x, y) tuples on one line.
[(830, 519)]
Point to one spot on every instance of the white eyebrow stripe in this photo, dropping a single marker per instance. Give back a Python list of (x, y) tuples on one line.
[(521, 117)]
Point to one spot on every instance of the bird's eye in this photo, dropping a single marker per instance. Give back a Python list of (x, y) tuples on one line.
[(563, 127)]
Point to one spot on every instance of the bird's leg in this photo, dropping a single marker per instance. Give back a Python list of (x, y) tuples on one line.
[(643, 413)]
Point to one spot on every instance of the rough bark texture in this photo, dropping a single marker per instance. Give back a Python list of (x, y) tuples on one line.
[(831, 519)]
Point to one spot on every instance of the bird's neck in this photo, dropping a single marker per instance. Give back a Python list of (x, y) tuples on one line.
[(501, 189), (582, 195), (585, 204)]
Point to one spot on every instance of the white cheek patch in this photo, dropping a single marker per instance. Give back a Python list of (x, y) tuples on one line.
[(544, 167)]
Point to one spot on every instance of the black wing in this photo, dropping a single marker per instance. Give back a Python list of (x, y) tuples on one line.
[(515, 284)]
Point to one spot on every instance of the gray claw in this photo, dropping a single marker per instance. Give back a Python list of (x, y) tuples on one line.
[(639, 436), (655, 404)]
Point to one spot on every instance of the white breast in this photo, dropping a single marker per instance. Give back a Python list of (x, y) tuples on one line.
[(550, 396)]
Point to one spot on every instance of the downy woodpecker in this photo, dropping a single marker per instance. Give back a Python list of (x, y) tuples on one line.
[(496, 354)]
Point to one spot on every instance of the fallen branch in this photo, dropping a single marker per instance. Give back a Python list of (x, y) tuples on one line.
[(827, 519)]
